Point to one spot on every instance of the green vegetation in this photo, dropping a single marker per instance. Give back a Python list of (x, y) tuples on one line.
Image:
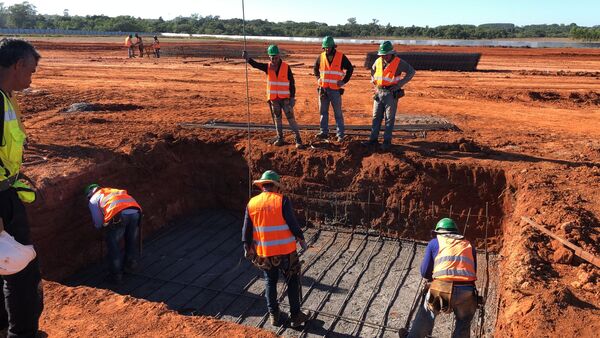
[(25, 15)]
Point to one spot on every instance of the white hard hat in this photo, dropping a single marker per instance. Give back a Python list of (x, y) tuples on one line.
[(14, 256)]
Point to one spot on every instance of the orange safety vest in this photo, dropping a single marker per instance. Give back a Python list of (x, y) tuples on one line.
[(386, 77), (330, 74), (278, 85), (127, 42), (454, 261), (272, 236), (156, 44), (113, 201)]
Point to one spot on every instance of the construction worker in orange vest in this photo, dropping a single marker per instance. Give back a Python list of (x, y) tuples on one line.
[(329, 70), (116, 212), (281, 91), (450, 268), (270, 234), (387, 79), (129, 45)]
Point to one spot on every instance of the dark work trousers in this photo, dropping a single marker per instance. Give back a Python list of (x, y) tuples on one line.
[(271, 277), (128, 228), (23, 302)]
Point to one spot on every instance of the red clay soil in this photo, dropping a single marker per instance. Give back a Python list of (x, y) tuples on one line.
[(529, 122)]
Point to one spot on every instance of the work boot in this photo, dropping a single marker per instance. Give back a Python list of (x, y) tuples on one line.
[(322, 136), (386, 146), (299, 319), (370, 143), (274, 318), (341, 138), (300, 146), (279, 142)]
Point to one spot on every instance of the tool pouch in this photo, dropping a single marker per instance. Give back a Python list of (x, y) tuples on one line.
[(439, 296), (399, 93), (294, 267)]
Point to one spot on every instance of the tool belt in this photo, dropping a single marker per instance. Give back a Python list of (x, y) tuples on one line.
[(268, 263), (439, 296)]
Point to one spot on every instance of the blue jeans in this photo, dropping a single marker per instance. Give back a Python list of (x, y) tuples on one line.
[(334, 98), (271, 276), (464, 305), (385, 103), (129, 228)]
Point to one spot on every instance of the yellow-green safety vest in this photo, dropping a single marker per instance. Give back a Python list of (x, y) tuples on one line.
[(11, 152)]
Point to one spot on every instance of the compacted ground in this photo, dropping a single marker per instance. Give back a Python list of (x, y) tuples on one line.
[(527, 145)]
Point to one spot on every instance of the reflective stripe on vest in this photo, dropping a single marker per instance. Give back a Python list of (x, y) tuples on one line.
[(386, 77), (11, 145), (454, 261), (278, 85), (271, 234), (113, 201), (330, 74)]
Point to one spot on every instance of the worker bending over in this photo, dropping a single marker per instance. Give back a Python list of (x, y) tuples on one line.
[(116, 212), (450, 268)]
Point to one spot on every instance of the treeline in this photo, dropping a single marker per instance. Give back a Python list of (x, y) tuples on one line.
[(25, 15)]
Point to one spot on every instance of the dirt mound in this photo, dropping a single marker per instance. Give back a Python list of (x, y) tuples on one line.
[(88, 312)]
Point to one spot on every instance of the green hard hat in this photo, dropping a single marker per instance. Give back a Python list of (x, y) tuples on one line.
[(268, 176), (273, 50), (385, 48), (446, 225), (90, 188), (328, 42)]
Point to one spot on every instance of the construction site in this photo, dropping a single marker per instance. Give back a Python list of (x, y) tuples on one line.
[(502, 140)]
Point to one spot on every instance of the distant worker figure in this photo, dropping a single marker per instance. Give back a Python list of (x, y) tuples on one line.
[(156, 46), (140, 44), (450, 264), (328, 69), (116, 212), (386, 76), (129, 45), (281, 92), (22, 302), (269, 235)]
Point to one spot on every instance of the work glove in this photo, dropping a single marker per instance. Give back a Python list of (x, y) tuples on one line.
[(245, 55), (303, 244)]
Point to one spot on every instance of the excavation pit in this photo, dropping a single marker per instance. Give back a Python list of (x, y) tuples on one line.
[(356, 284), (366, 217)]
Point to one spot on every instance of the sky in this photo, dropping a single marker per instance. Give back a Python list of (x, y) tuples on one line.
[(398, 13)]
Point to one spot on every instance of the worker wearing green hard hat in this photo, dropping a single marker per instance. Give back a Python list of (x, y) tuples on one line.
[(329, 70), (281, 92), (270, 235), (388, 75), (450, 270)]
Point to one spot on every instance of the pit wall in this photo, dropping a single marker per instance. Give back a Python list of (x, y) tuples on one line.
[(170, 179), (176, 177)]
